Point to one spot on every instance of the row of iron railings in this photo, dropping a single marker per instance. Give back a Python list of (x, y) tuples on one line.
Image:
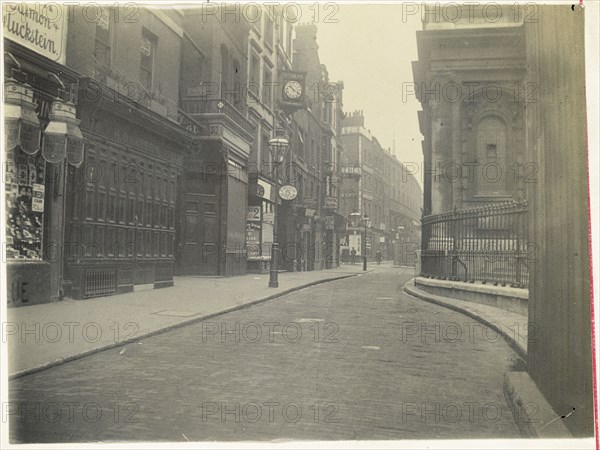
[(487, 244)]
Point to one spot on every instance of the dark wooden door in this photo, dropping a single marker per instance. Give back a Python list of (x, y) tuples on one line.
[(200, 243)]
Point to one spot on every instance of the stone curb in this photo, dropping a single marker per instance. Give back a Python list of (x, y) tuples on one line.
[(447, 303), (534, 416), (66, 359)]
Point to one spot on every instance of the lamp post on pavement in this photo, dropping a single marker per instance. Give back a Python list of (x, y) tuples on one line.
[(400, 235), (366, 224), (355, 219), (277, 144)]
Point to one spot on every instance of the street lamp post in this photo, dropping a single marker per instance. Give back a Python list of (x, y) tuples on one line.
[(366, 224), (276, 145), (400, 235)]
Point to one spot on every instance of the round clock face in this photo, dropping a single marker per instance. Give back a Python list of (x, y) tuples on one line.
[(292, 90), (288, 192)]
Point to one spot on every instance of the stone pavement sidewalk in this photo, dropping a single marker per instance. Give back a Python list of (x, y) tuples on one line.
[(511, 326), (42, 336)]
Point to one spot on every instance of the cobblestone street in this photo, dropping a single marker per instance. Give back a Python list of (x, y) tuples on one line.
[(349, 359)]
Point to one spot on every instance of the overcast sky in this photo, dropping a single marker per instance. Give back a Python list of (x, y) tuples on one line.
[(370, 49)]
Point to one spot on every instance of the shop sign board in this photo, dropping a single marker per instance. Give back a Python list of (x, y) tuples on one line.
[(269, 218), (331, 202), (253, 214), (263, 189), (310, 202), (40, 27)]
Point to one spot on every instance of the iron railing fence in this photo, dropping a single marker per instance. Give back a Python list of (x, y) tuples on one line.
[(487, 244)]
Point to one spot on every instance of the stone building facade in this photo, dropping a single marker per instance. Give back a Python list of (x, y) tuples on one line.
[(377, 184), (472, 117), (509, 98)]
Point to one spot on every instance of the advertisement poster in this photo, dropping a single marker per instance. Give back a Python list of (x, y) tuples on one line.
[(354, 242), (37, 199), (252, 239)]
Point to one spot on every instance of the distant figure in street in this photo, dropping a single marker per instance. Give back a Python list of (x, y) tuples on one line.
[(353, 255), (378, 257)]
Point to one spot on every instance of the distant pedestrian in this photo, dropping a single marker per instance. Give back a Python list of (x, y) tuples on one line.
[(353, 255), (378, 257)]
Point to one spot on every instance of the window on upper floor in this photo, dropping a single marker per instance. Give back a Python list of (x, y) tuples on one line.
[(288, 43), (252, 15), (233, 92), (224, 69), (280, 30), (265, 157), (267, 96), (102, 44), (269, 26), (147, 55), (254, 85), (301, 148)]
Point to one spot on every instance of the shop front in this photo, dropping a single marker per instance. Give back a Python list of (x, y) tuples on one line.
[(41, 140), (121, 214), (260, 220)]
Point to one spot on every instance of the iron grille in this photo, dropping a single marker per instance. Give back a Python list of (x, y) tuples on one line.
[(101, 281), (487, 244)]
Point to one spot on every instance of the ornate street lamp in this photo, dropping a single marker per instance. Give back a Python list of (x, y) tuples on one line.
[(277, 145), (62, 136), (21, 123)]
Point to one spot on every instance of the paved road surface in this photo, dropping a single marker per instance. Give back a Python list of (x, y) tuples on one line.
[(352, 359)]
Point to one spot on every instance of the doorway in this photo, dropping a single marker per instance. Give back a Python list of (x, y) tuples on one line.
[(200, 252)]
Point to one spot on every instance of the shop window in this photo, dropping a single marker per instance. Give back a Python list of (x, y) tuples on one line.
[(147, 55), (25, 203)]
